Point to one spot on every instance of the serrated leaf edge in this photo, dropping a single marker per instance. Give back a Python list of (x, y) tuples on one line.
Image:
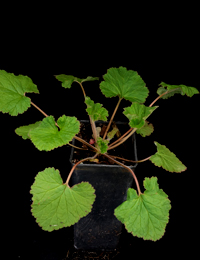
[(91, 206), (162, 166)]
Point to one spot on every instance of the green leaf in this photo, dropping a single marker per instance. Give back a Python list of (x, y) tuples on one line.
[(12, 90), (67, 80), (89, 78), (55, 205), (95, 110), (166, 159), (137, 113), (162, 90), (102, 145), (147, 215), (146, 130), (125, 84), (176, 89), (47, 136), (112, 133), (24, 130)]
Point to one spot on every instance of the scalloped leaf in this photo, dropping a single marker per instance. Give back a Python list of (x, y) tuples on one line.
[(67, 80), (176, 89), (47, 136), (56, 205), (145, 130), (137, 113), (124, 83), (95, 110), (166, 159), (24, 130), (12, 90), (147, 215)]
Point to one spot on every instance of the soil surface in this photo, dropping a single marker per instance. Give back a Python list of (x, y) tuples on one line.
[(124, 150)]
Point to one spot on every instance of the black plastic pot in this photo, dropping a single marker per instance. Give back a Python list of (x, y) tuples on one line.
[(100, 229)]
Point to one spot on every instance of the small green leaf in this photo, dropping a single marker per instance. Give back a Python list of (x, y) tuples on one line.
[(147, 215), (146, 130), (112, 133), (102, 145), (89, 78), (125, 84), (137, 113), (67, 80), (55, 205), (176, 89), (47, 136), (12, 93), (166, 159), (95, 110), (24, 130)]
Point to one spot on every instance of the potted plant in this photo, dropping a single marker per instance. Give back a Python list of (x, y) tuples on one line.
[(57, 204)]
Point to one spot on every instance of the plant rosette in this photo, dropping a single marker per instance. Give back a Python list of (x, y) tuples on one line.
[(56, 204)]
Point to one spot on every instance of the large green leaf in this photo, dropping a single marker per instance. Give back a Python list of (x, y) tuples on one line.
[(23, 131), (166, 159), (47, 136), (12, 90), (67, 80), (176, 89), (147, 215), (125, 84), (137, 113), (55, 205), (95, 110)]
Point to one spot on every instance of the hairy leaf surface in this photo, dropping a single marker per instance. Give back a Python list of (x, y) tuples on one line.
[(12, 90), (137, 113), (55, 205), (166, 159), (47, 136), (95, 110), (178, 89), (125, 84), (24, 130), (147, 215), (67, 80)]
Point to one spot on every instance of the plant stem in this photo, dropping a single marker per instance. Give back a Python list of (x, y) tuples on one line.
[(73, 168), (146, 159), (86, 143), (81, 87), (110, 146), (39, 109), (94, 131), (124, 139), (126, 167), (108, 127), (168, 91)]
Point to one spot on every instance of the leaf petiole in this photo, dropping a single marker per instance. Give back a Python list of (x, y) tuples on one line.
[(146, 159), (73, 168), (126, 167), (108, 127), (163, 94)]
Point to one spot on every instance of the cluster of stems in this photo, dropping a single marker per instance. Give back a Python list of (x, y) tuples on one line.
[(111, 146)]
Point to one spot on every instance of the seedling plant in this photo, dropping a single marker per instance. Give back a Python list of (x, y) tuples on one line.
[(55, 205)]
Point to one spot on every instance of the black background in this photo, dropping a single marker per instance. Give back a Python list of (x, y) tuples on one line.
[(41, 43)]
